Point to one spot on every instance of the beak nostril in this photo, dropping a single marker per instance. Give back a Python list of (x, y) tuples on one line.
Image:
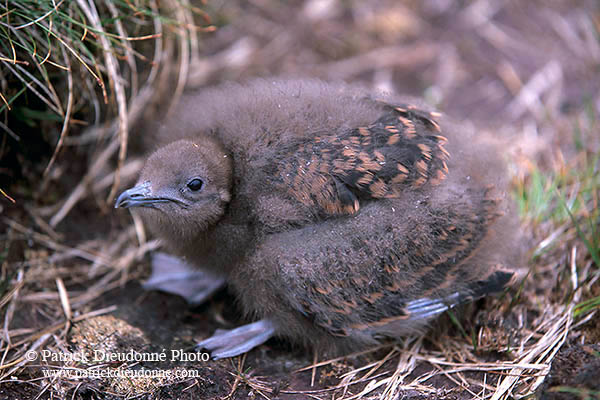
[(134, 196), (142, 196)]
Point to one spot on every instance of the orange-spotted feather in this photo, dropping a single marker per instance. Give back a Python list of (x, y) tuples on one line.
[(401, 150)]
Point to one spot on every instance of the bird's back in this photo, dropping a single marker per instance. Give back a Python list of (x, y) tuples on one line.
[(305, 149), (324, 149)]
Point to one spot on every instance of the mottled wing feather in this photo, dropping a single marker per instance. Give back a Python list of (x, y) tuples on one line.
[(403, 149), (368, 303)]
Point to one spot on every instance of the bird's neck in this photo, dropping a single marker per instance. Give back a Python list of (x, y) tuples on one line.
[(218, 249)]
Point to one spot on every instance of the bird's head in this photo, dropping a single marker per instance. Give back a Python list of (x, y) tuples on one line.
[(183, 189)]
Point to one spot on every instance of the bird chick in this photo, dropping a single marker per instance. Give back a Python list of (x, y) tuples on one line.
[(338, 219)]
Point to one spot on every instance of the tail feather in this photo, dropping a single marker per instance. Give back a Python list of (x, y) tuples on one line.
[(426, 307)]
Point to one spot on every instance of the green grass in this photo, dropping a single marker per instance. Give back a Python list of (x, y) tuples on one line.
[(36, 38), (40, 44), (560, 197), (63, 61), (566, 200)]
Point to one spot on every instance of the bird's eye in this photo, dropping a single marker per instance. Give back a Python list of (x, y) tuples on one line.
[(195, 184)]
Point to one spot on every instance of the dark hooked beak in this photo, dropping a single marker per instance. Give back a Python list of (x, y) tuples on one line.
[(138, 196)]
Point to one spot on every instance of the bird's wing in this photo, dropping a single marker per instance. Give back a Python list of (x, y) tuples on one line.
[(333, 172), (370, 274)]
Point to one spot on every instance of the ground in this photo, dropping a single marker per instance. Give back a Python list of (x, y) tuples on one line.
[(524, 73)]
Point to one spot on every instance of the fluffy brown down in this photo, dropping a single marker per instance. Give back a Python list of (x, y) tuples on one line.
[(329, 208)]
